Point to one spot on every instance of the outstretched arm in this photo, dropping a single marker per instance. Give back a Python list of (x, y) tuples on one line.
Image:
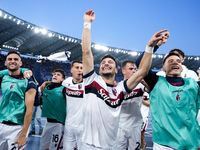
[(88, 64), (146, 61)]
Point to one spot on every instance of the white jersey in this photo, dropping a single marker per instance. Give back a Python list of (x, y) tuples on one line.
[(130, 113), (144, 108), (102, 110), (74, 97), (186, 73)]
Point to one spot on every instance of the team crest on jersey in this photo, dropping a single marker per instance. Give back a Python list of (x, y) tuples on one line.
[(178, 98), (11, 87), (114, 91), (80, 86)]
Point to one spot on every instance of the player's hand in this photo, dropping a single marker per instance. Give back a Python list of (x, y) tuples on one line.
[(157, 37), (21, 141), (39, 61), (44, 85), (163, 41), (89, 16), (27, 74)]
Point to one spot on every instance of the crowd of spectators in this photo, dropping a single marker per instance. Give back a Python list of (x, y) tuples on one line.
[(47, 67)]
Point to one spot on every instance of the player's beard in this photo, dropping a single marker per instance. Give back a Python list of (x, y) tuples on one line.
[(107, 75), (13, 69)]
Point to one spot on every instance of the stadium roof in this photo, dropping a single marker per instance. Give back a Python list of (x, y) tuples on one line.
[(27, 38)]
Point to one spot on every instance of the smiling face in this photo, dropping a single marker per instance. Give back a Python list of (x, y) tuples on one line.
[(172, 66), (107, 68), (13, 62), (57, 77)]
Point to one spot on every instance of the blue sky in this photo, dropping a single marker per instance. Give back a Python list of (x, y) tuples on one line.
[(125, 24)]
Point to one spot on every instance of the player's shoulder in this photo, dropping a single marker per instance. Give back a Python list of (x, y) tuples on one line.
[(67, 81)]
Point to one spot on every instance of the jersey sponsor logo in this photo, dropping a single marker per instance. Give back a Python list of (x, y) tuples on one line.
[(134, 93), (177, 91), (112, 102), (103, 94), (11, 87), (74, 93)]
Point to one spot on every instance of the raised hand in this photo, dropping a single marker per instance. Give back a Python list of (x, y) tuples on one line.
[(157, 37), (89, 16), (163, 41)]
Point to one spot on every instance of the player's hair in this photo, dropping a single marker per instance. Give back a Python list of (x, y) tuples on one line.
[(168, 55), (179, 51), (126, 62), (13, 52), (61, 71), (76, 61), (109, 56)]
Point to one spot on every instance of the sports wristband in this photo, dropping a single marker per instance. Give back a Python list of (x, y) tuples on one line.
[(87, 25), (149, 49)]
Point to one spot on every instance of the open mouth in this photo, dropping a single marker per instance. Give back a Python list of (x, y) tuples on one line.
[(175, 68), (12, 65), (106, 68)]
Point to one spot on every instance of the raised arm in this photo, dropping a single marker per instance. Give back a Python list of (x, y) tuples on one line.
[(146, 61), (88, 64), (37, 73)]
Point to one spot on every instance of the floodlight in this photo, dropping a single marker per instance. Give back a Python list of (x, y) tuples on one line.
[(134, 53), (18, 21), (5, 16), (50, 35), (43, 31), (97, 46), (116, 50), (104, 48), (36, 30)]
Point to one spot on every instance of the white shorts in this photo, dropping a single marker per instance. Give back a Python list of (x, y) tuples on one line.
[(52, 136), (144, 124), (161, 147), (8, 136), (72, 137), (129, 138), (91, 147)]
